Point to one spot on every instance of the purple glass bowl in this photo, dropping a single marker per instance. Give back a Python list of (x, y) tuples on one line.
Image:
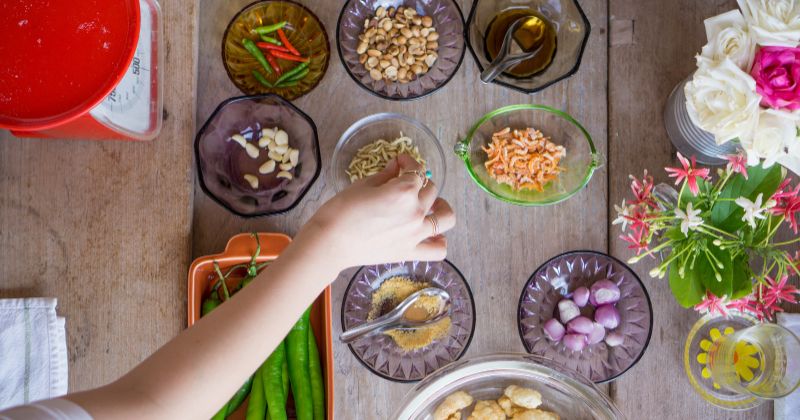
[(378, 352), (449, 23), (558, 278), (221, 164)]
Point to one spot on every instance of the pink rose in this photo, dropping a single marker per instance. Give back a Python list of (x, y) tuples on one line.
[(777, 74)]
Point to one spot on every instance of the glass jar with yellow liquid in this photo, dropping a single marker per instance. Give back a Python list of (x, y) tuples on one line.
[(762, 361)]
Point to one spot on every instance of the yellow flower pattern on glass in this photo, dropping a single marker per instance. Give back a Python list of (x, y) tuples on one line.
[(743, 360)]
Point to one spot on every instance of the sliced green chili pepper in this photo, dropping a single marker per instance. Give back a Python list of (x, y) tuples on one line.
[(297, 353), (315, 371), (257, 407), (261, 79), (261, 30), (271, 40), (252, 48), (289, 74), (272, 375)]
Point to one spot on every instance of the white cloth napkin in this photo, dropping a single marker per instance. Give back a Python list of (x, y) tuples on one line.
[(788, 407), (33, 351)]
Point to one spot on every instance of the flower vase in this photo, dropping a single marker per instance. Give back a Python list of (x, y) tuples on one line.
[(689, 139)]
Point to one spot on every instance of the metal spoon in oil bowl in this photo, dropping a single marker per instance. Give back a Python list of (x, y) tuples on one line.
[(527, 34)]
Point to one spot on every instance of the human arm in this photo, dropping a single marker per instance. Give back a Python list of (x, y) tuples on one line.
[(381, 219)]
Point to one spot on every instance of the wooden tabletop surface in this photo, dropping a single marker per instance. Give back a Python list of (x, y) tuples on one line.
[(109, 228)]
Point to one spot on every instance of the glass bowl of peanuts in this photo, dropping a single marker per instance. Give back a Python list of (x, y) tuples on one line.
[(398, 49), (257, 155), (529, 155), (508, 385), (371, 142)]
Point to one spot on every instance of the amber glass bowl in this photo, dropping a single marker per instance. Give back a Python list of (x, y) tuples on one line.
[(304, 30)]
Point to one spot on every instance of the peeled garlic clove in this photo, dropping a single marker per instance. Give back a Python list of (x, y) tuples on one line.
[(281, 148), (238, 138), (272, 145), (252, 180), (275, 156), (268, 133), (294, 156), (284, 174), (281, 138), (285, 166), (267, 168), (252, 150)]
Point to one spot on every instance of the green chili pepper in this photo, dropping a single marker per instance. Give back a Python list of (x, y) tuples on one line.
[(315, 370), (287, 84), (257, 407), (297, 353), (272, 375), (261, 30), (271, 40), (298, 77), (285, 377), (261, 79), (221, 414), (209, 304), (288, 75), (239, 397), (252, 48)]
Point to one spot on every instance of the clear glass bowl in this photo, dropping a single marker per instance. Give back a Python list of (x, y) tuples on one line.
[(558, 278), (564, 392), (579, 165), (305, 31), (387, 126), (221, 164), (378, 352), (449, 23), (572, 33)]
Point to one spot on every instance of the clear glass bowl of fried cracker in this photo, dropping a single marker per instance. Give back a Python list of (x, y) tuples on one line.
[(484, 381), (529, 155)]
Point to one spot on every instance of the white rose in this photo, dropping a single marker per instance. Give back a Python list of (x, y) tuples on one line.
[(728, 36), (775, 133), (722, 99), (773, 22)]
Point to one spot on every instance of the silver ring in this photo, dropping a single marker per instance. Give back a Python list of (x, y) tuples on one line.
[(434, 223), (418, 173)]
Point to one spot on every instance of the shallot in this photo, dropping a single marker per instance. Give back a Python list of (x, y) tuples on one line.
[(580, 296), (575, 342), (613, 339), (568, 310), (607, 316), (580, 325), (553, 329), (597, 334), (603, 292)]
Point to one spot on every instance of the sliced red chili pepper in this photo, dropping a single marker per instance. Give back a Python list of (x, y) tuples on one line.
[(289, 57), (272, 61), (286, 43), (271, 47)]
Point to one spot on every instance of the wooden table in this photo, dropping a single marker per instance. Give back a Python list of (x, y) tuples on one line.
[(110, 228)]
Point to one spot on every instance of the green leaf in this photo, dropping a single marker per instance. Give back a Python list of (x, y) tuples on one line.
[(688, 290), (675, 234), (726, 214), (705, 272), (742, 285)]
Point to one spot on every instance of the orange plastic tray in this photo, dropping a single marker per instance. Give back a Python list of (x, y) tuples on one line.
[(239, 250)]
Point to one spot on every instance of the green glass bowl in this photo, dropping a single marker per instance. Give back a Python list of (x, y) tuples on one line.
[(579, 164)]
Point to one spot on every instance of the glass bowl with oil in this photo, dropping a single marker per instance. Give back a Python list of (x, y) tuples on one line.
[(303, 30), (560, 30)]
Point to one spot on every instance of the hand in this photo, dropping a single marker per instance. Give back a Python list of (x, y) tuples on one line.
[(382, 219)]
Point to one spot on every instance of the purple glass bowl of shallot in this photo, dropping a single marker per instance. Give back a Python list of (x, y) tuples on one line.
[(606, 353)]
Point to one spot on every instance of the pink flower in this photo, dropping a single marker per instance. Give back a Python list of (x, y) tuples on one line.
[(636, 241), (745, 304), (795, 262), (738, 164), (779, 291), (643, 190), (689, 172), (788, 208), (639, 222), (712, 304), (777, 73)]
